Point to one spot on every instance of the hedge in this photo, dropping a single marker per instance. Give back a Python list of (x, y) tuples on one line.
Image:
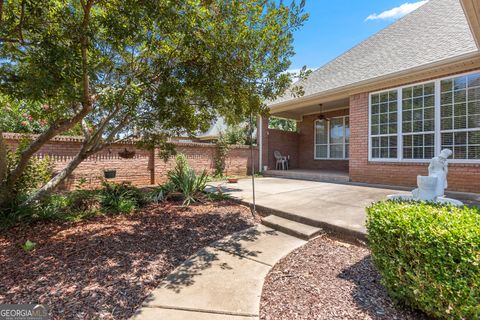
[(428, 256)]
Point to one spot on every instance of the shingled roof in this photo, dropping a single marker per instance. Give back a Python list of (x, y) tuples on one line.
[(436, 31)]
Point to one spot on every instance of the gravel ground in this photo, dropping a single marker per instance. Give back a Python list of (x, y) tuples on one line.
[(106, 266), (328, 279)]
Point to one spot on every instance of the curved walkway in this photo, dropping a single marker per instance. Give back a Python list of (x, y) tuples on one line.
[(222, 281)]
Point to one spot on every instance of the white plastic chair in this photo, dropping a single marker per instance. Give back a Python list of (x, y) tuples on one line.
[(282, 161)]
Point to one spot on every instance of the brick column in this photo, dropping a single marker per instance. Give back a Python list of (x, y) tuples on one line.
[(358, 161)]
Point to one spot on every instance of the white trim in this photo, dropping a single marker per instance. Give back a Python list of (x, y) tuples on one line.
[(438, 119), (260, 143), (328, 144), (437, 122)]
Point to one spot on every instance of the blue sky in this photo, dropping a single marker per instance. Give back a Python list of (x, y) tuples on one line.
[(335, 26)]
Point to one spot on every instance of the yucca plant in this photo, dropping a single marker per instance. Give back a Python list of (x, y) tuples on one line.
[(185, 180)]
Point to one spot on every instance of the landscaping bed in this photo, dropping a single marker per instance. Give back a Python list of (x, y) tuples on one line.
[(105, 266), (328, 279)]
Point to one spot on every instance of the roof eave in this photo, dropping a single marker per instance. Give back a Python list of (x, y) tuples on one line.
[(366, 85)]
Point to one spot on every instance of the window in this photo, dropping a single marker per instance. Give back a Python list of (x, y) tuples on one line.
[(415, 122), (332, 138), (418, 121), (384, 126), (460, 116)]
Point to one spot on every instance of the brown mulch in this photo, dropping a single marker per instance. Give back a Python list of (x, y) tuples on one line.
[(104, 267), (328, 279)]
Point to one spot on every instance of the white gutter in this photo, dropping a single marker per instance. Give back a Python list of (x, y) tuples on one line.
[(260, 144)]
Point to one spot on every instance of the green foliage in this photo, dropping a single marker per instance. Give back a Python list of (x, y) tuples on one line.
[(37, 172), (222, 148), (185, 180), (121, 198), (162, 65), (21, 116), (28, 246), (236, 134), (282, 124), (128, 68), (160, 193), (218, 195), (428, 256)]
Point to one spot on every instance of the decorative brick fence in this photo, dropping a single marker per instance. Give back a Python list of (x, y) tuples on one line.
[(145, 168)]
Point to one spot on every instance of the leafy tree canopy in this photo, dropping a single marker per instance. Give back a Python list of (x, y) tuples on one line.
[(151, 68), (282, 124)]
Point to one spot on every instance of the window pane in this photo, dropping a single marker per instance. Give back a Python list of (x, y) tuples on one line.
[(321, 132), (336, 130), (474, 80), (321, 151), (418, 119), (336, 151), (347, 129), (446, 85), (473, 152)]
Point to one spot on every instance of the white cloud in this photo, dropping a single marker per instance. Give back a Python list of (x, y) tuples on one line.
[(397, 12)]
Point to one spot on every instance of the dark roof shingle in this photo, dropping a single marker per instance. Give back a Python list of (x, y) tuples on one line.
[(436, 31)]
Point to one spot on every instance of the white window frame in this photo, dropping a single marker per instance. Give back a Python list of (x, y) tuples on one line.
[(328, 139), (437, 123)]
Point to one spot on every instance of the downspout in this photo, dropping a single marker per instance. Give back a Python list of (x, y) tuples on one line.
[(260, 144)]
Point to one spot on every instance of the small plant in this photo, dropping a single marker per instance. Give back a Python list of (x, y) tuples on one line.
[(121, 198), (218, 195), (28, 246), (185, 180), (160, 193), (82, 181), (428, 256)]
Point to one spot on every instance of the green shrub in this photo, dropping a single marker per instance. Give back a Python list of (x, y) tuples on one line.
[(121, 198), (428, 256), (185, 180), (37, 172), (160, 193), (222, 149)]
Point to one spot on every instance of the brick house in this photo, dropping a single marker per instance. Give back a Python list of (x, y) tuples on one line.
[(381, 110)]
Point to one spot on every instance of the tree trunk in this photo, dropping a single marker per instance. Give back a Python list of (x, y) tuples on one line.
[(51, 185), (3, 159), (4, 191)]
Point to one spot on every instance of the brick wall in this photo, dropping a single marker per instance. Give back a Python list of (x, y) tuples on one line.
[(145, 168), (461, 177), (306, 144), (286, 142)]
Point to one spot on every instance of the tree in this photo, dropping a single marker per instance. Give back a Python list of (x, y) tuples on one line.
[(282, 124), (124, 69)]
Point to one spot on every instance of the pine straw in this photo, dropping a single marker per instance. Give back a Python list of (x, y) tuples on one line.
[(328, 279), (104, 267)]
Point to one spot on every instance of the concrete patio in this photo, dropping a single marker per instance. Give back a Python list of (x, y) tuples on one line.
[(331, 206)]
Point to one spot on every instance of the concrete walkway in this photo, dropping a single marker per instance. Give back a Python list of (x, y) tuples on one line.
[(334, 206), (222, 281)]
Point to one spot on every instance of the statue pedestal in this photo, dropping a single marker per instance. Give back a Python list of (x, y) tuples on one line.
[(431, 188)]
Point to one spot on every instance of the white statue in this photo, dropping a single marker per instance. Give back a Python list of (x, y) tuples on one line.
[(432, 187)]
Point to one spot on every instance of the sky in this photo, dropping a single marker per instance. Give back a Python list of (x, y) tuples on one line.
[(335, 26)]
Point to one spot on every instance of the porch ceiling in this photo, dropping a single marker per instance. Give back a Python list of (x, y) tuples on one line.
[(296, 112)]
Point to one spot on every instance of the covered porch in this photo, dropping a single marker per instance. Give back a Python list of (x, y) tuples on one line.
[(319, 148)]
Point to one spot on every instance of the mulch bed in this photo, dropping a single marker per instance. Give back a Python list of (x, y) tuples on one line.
[(328, 279), (104, 267)]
